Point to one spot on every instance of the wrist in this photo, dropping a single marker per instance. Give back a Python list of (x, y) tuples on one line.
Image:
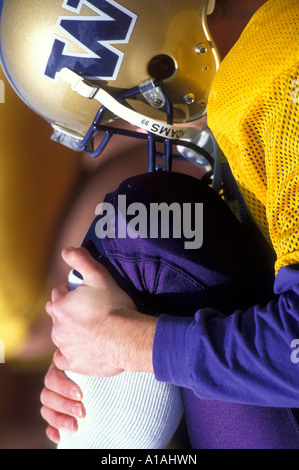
[(134, 340)]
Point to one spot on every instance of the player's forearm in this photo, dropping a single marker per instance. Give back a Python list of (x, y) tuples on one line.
[(132, 344), (246, 357)]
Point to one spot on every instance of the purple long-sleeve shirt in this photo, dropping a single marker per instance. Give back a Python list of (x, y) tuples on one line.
[(247, 357)]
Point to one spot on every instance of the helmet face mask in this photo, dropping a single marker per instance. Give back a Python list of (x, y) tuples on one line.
[(155, 57)]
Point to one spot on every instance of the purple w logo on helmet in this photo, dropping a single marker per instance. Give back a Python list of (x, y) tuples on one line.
[(95, 34)]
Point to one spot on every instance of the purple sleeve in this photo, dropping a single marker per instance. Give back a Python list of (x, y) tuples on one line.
[(248, 357)]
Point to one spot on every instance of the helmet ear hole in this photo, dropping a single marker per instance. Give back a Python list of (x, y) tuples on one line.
[(161, 67)]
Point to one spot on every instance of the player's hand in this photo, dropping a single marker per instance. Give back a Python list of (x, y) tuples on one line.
[(61, 403), (96, 327)]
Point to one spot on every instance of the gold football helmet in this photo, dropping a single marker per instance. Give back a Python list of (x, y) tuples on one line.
[(81, 64)]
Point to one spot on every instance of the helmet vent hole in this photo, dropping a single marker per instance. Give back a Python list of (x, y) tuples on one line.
[(161, 66)]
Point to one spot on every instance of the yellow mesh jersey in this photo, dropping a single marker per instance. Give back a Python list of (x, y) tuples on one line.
[(254, 114)]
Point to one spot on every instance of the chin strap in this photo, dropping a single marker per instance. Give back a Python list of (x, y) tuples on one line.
[(163, 130), (90, 91)]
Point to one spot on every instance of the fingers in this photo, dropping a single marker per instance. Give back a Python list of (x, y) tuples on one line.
[(62, 405), (59, 292), (49, 308), (58, 382), (59, 420), (53, 434), (58, 358), (82, 261)]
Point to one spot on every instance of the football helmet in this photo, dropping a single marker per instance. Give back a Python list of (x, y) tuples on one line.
[(82, 64)]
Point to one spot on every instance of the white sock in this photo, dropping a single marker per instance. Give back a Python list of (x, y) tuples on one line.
[(127, 411)]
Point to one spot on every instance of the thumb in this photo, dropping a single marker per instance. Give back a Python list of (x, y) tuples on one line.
[(81, 260)]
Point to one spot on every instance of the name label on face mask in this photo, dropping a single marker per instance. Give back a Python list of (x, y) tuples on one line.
[(167, 131), (96, 35)]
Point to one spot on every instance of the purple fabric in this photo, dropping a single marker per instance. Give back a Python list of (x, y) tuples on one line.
[(244, 357), (220, 425), (165, 276), (195, 348)]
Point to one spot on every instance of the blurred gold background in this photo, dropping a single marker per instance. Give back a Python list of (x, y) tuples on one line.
[(48, 196)]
